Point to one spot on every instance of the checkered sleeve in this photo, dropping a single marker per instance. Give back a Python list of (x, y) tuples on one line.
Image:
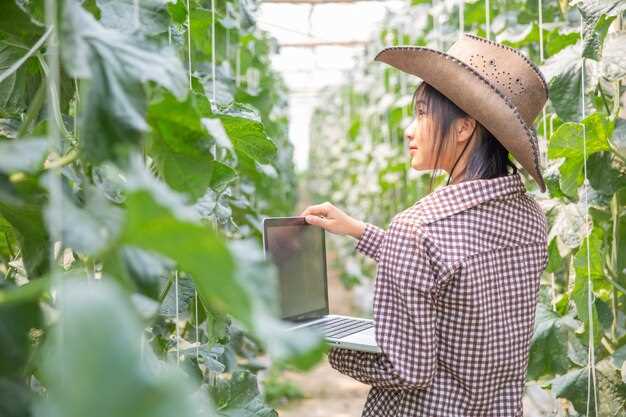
[(404, 316), (369, 242)]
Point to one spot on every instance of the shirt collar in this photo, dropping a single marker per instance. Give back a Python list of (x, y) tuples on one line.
[(453, 198)]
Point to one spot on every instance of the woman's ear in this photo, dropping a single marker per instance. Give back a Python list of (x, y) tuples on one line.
[(465, 129)]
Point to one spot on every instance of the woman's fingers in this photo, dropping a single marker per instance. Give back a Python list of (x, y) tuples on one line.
[(315, 220), (317, 209)]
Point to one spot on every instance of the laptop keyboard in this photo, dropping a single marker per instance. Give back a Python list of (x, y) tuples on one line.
[(339, 327)]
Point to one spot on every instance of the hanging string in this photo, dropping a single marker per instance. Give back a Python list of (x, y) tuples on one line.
[(177, 317), (544, 152), (189, 42), (213, 45), (487, 11), (541, 59), (195, 291), (461, 18), (591, 374), (136, 21)]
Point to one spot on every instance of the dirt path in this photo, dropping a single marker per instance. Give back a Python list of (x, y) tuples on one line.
[(328, 393)]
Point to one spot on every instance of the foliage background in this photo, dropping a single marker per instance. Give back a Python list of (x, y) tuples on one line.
[(359, 162), (141, 144)]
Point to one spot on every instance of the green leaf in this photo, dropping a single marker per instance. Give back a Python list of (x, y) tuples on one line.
[(97, 346), (604, 172), (581, 285), (301, 349), (159, 221), (573, 386), (16, 320), (22, 155), (614, 57), (248, 137), (617, 141), (597, 16), (89, 228), (19, 88), (117, 67), (23, 207), (569, 142), (146, 269), (548, 350), (146, 16), (564, 72), (16, 21), (239, 396), (15, 398), (618, 242), (181, 146)]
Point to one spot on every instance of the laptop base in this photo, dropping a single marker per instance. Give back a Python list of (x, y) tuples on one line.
[(363, 340)]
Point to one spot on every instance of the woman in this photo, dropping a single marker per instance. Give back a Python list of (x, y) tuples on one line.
[(458, 272)]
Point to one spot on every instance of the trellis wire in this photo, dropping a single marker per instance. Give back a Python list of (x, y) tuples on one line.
[(189, 43), (55, 184), (177, 317), (195, 291), (544, 156), (487, 11), (136, 21), (213, 51), (461, 18), (591, 373)]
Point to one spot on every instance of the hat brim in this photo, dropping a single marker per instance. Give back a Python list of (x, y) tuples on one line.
[(475, 95)]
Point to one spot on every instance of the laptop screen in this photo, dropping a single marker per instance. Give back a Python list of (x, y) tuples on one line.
[(297, 249)]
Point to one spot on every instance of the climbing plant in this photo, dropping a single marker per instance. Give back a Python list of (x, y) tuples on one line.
[(359, 162), (141, 144)]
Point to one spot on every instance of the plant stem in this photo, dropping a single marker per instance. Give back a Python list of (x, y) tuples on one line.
[(17, 64), (66, 159), (606, 105), (33, 110)]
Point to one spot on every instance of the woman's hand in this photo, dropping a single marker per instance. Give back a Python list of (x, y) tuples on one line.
[(334, 220)]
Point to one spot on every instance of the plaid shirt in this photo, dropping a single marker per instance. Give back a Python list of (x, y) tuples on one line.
[(454, 303)]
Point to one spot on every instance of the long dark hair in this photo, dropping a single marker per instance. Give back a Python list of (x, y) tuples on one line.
[(490, 159)]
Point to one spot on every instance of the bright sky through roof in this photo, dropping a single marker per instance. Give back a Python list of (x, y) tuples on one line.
[(306, 69)]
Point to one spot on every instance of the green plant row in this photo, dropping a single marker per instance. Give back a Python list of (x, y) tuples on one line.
[(359, 161), (141, 144)]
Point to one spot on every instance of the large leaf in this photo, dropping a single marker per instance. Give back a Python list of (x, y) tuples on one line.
[(15, 21), (22, 155), (16, 319), (614, 57), (19, 88), (147, 16), (548, 350), (302, 348), (247, 133), (597, 16), (159, 221), (117, 67), (564, 72), (573, 386), (618, 242), (88, 228), (581, 284), (239, 396), (182, 147), (95, 364), (569, 142), (21, 205)]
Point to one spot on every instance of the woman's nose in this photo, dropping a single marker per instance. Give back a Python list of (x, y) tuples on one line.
[(409, 132)]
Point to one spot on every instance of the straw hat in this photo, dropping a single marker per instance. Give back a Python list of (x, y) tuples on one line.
[(493, 83)]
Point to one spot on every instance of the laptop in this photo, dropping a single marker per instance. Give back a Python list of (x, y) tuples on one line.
[(298, 251)]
